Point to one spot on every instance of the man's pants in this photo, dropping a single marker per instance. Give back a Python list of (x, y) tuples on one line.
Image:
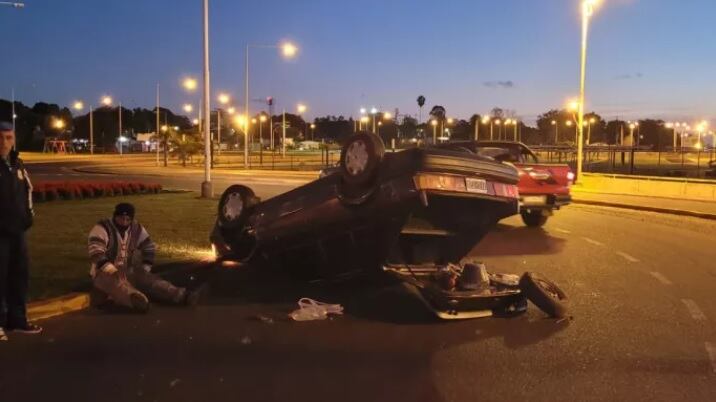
[(119, 287), (14, 278)]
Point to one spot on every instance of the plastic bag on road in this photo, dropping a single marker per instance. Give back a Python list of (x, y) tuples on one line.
[(310, 310)]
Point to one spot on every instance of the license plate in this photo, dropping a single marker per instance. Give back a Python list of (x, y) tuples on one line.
[(476, 185), (534, 200)]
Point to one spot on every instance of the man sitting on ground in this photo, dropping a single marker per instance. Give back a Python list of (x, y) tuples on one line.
[(122, 255)]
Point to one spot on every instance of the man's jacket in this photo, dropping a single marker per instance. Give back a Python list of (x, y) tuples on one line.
[(15, 196), (104, 242)]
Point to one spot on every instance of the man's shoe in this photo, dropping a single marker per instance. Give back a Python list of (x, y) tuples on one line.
[(194, 297), (3, 337), (27, 328), (98, 299), (139, 302)]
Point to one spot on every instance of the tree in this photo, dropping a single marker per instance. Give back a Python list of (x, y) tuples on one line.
[(185, 146), (421, 103), (408, 127), (438, 113)]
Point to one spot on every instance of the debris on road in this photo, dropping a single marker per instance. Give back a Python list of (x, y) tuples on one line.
[(310, 310), (264, 319)]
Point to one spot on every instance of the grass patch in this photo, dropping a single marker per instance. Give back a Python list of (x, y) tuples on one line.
[(178, 223)]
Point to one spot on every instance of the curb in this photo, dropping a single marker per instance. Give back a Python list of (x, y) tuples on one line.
[(43, 309), (680, 212)]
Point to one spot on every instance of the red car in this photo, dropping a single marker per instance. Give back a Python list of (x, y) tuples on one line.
[(543, 187)]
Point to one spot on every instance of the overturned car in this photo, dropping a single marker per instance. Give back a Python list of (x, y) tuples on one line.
[(390, 211)]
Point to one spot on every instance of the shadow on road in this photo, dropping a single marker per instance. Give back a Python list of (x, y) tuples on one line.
[(518, 240)]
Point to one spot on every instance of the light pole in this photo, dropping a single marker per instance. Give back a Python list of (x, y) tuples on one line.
[(363, 121), (313, 128), (79, 105), (373, 111), (223, 100), (289, 51), (556, 131), (107, 101), (587, 12), (434, 123), (485, 121), (498, 123), (206, 187), (301, 109)]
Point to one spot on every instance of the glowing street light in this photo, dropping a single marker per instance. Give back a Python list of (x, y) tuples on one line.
[(189, 84), (78, 105), (289, 50), (363, 120), (223, 98), (107, 100), (58, 124), (301, 108), (231, 110), (188, 108)]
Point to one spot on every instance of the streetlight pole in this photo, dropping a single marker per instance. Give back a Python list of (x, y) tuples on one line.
[(206, 186), (156, 142), (587, 12), (289, 50), (119, 112)]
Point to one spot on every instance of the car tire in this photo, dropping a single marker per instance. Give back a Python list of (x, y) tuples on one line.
[(533, 218), (235, 206), (360, 158), (544, 294)]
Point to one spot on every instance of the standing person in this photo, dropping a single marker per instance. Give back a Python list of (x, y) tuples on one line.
[(15, 218), (122, 255)]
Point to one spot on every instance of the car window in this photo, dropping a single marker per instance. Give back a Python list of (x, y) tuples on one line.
[(528, 157), (504, 154)]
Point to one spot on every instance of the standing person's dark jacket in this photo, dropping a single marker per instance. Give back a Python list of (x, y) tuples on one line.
[(15, 196)]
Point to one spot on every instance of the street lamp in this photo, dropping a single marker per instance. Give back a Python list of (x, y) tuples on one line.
[(188, 108), (313, 128), (363, 121), (588, 7), (434, 123), (223, 100), (485, 120), (556, 132), (301, 108), (107, 101), (189, 84), (498, 123), (288, 51), (373, 112), (58, 124)]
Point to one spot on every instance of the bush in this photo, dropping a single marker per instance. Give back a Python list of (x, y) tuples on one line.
[(50, 191)]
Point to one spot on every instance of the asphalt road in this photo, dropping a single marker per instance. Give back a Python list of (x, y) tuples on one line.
[(641, 291)]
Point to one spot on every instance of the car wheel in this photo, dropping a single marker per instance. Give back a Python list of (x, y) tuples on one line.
[(360, 158), (235, 205), (544, 294), (533, 218)]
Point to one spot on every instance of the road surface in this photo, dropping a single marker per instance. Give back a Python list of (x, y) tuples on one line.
[(641, 288)]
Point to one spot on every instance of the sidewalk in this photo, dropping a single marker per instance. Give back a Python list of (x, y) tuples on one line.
[(699, 209)]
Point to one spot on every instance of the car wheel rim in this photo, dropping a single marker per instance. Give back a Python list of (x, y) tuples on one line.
[(356, 158), (550, 289), (233, 206)]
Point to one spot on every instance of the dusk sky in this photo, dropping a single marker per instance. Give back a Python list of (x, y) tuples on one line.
[(648, 58)]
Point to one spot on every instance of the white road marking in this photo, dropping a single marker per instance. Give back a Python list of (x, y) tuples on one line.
[(711, 350), (592, 241), (694, 310), (661, 278), (562, 231), (627, 256)]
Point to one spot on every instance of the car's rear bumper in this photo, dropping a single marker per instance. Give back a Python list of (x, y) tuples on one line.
[(544, 201)]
